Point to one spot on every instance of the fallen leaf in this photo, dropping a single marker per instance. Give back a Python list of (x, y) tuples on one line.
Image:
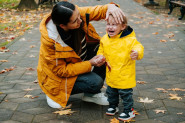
[(34, 97), (177, 89), (32, 56), (160, 89), (31, 69), (146, 100), (7, 70), (64, 112), (172, 40), (141, 82), (28, 96), (159, 111), (1, 93), (3, 60), (151, 22), (163, 40), (67, 107), (136, 113), (28, 89), (114, 120), (180, 113), (155, 33), (32, 46), (128, 121), (14, 53), (36, 81), (174, 97)]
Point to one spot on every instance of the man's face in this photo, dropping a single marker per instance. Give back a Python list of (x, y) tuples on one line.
[(74, 21), (112, 27)]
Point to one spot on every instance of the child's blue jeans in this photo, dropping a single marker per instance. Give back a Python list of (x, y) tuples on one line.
[(125, 94)]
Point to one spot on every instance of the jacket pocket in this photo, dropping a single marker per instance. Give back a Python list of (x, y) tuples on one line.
[(52, 86)]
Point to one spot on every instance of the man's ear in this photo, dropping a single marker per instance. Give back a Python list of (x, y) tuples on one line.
[(62, 26)]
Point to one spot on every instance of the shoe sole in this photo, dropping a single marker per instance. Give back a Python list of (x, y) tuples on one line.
[(126, 119), (109, 114), (92, 101)]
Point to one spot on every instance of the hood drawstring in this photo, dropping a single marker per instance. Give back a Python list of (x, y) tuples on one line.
[(66, 88), (55, 51)]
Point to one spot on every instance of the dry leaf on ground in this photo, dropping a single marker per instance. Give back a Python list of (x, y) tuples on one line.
[(136, 113), (159, 111), (7, 70), (180, 113), (31, 69), (28, 96), (64, 112), (160, 89), (28, 89), (163, 40), (146, 100), (1, 93), (114, 120), (174, 97), (141, 82), (3, 60)]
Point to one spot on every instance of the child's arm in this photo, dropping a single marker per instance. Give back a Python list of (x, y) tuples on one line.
[(137, 51)]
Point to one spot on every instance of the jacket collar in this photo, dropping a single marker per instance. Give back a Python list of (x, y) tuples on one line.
[(124, 33)]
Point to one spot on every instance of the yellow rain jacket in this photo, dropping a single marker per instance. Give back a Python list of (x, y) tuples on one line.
[(117, 52), (59, 65)]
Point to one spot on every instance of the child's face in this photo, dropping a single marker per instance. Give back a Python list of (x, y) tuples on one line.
[(113, 28)]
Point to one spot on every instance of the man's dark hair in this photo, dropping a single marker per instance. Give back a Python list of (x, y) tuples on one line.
[(62, 12)]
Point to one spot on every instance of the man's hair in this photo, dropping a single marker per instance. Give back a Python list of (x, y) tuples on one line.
[(62, 12)]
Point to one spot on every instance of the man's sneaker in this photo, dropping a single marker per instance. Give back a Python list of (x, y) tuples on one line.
[(112, 111), (126, 116), (99, 99)]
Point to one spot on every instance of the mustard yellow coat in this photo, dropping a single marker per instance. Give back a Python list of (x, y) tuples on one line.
[(59, 65), (117, 52)]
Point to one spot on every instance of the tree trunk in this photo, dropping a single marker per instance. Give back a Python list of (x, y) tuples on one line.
[(27, 5), (167, 4)]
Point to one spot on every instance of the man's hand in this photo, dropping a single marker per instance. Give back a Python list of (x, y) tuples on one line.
[(98, 60), (116, 12), (134, 55)]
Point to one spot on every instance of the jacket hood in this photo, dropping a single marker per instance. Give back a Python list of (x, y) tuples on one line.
[(49, 30), (126, 32)]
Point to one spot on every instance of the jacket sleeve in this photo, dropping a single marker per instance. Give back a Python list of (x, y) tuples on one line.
[(96, 12), (72, 69), (139, 48), (100, 49), (62, 67)]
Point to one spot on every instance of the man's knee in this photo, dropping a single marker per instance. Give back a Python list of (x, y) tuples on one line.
[(95, 83)]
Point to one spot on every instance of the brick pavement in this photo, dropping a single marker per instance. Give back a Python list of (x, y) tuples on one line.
[(163, 66)]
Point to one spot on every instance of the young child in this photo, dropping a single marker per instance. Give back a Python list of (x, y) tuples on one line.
[(120, 48)]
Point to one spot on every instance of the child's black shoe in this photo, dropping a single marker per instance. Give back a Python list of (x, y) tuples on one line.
[(112, 111)]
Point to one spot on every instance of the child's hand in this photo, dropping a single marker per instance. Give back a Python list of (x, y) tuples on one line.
[(100, 60), (134, 55)]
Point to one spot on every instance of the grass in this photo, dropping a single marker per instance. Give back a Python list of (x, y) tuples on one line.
[(8, 3)]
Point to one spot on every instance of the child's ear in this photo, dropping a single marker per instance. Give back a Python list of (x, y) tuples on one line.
[(123, 27)]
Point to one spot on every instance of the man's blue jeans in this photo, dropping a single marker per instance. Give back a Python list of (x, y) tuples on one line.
[(125, 94), (88, 83)]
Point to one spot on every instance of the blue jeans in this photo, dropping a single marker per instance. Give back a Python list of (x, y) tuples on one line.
[(125, 94), (88, 83)]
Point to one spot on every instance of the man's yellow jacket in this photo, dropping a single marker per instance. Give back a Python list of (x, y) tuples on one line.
[(117, 50), (59, 65)]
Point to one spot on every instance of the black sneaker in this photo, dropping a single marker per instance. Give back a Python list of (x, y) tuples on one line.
[(112, 111), (126, 116)]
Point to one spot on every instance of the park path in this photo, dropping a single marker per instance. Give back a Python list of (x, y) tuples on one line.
[(163, 67)]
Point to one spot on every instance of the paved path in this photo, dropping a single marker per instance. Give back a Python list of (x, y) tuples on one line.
[(163, 66)]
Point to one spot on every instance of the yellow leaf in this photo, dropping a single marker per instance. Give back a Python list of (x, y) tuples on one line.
[(163, 40), (64, 112), (3, 60), (114, 120), (1, 93), (28, 96), (174, 97), (136, 113), (155, 33)]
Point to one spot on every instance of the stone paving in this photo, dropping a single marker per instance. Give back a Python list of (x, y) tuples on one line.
[(163, 66)]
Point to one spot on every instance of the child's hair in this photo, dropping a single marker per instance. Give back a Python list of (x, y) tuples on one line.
[(124, 19)]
